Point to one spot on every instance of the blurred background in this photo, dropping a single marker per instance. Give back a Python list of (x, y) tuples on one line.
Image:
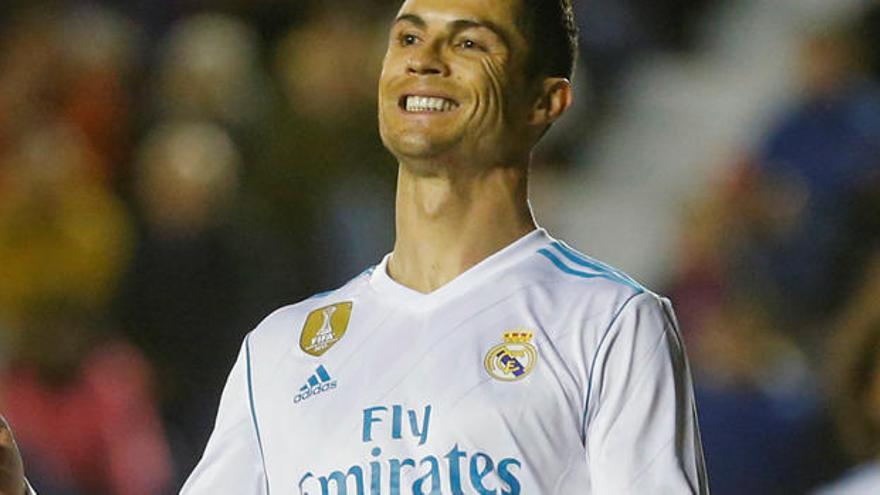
[(173, 170)]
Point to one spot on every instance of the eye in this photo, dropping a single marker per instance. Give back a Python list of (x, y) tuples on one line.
[(469, 44), (407, 39)]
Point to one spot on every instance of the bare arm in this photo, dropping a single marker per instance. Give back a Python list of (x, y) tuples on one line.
[(11, 469)]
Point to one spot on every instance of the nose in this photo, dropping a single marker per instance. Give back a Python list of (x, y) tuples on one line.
[(427, 61)]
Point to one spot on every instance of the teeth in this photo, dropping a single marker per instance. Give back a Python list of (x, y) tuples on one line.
[(428, 104)]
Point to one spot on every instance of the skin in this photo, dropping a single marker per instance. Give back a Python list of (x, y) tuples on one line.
[(11, 470), (462, 190), (462, 183)]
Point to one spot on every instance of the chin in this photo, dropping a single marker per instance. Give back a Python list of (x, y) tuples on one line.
[(416, 146)]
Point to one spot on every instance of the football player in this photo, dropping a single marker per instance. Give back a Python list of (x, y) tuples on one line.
[(481, 355)]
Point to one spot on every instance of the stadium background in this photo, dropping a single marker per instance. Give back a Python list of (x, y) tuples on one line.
[(173, 170)]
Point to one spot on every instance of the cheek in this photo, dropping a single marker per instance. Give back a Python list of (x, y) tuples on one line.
[(383, 78), (494, 76), (391, 66), (491, 97)]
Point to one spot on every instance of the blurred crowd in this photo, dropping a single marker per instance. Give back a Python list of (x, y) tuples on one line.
[(172, 171)]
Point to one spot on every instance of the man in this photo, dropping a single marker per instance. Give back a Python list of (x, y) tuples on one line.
[(481, 355)]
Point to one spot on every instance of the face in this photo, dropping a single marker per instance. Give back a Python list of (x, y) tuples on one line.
[(453, 82)]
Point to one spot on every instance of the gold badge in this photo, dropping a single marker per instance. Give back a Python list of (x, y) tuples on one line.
[(514, 359), (324, 327)]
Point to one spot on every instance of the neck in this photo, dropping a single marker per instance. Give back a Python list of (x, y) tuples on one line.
[(446, 224)]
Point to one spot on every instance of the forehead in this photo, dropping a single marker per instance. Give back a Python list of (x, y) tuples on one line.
[(504, 13)]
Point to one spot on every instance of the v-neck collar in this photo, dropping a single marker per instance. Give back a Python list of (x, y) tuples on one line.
[(387, 287)]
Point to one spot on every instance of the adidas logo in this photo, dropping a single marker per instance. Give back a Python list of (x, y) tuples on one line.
[(318, 383)]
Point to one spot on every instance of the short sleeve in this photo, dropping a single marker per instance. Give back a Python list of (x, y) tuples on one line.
[(232, 462), (641, 425)]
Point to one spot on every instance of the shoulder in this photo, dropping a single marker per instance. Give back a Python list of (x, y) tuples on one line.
[(600, 303), (568, 264), (585, 284), (276, 329)]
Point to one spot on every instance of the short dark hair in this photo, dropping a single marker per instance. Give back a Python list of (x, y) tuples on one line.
[(552, 33)]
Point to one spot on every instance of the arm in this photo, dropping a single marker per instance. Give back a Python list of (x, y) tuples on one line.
[(232, 462), (12, 480), (641, 425)]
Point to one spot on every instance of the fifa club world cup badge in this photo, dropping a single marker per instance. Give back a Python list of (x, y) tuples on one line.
[(514, 359), (324, 327)]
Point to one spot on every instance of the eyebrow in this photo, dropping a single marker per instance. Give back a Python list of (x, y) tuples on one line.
[(459, 25), (412, 19)]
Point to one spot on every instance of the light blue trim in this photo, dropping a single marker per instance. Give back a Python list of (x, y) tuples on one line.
[(319, 295), (595, 359), (247, 346), (565, 268), (562, 266), (582, 260)]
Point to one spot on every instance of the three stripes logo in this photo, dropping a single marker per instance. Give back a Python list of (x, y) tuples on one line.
[(318, 383)]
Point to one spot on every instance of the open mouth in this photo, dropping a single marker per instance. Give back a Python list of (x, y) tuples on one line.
[(416, 104)]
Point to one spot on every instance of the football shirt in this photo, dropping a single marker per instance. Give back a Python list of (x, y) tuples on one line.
[(537, 371)]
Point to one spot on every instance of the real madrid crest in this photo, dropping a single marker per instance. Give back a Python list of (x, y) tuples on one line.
[(514, 359), (324, 327)]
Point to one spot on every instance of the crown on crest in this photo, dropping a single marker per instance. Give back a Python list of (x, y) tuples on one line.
[(517, 337)]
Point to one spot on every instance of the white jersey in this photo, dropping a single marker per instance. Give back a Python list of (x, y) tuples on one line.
[(537, 371)]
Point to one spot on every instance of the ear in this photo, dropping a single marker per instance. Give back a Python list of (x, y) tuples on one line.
[(554, 98)]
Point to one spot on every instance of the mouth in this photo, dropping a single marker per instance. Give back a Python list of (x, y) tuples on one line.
[(426, 104)]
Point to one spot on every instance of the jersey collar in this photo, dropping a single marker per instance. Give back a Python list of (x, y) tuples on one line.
[(478, 274)]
